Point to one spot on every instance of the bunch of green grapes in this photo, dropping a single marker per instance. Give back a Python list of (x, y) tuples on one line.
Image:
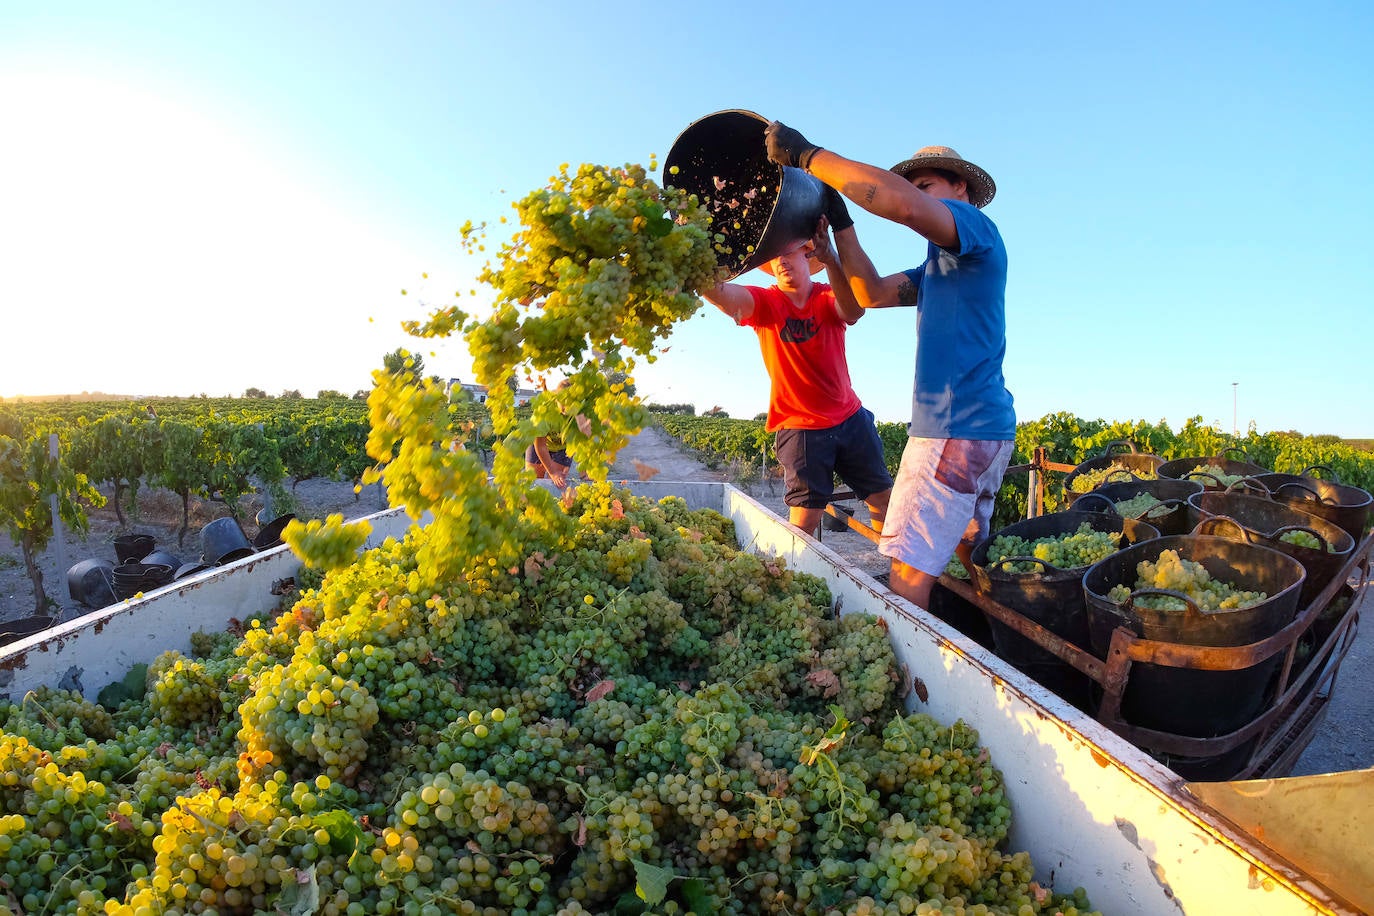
[(1213, 474), (328, 544), (1075, 549), (1305, 539), (1142, 505), (1178, 574), (1117, 470)]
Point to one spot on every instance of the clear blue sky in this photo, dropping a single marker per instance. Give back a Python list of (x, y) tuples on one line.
[(206, 197)]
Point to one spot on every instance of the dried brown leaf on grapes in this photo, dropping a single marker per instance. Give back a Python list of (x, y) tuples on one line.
[(601, 690), (825, 679)]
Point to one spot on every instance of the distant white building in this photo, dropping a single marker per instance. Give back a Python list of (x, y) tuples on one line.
[(479, 392)]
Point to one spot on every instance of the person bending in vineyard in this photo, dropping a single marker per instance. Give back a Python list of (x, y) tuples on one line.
[(547, 457), (821, 428), (963, 425)]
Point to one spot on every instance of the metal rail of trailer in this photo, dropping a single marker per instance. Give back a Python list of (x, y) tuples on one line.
[(1091, 808)]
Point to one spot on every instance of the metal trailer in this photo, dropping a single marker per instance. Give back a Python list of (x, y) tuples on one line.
[(1091, 808)]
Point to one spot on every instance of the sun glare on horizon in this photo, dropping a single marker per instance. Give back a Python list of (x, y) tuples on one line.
[(152, 248)]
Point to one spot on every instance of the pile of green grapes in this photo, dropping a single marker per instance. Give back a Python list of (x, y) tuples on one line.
[(1187, 576), (1081, 547), (616, 723), (1142, 505), (1213, 475), (1117, 470), (1305, 539)]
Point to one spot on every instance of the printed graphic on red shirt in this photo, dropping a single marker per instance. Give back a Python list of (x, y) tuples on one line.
[(798, 330)]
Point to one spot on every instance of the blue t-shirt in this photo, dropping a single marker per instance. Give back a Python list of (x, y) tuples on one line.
[(961, 335)]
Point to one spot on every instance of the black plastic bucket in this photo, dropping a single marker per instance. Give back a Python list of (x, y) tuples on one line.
[(223, 541), (1140, 465), (91, 583), (1191, 469), (15, 630), (1263, 521), (831, 523), (762, 209), (965, 616), (269, 535), (163, 558), (190, 569), (1050, 596), (1170, 517), (1214, 768), (1186, 701), (132, 547), (1343, 504), (129, 579)]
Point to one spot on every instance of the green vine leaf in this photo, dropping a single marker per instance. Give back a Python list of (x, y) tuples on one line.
[(651, 882)]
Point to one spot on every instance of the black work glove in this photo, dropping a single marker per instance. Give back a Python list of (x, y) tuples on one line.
[(788, 147), (836, 211)]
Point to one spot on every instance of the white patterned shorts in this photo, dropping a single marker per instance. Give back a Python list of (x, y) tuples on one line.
[(944, 493)]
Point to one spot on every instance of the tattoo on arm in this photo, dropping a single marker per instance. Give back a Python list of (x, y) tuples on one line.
[(906, 292), (870, 193)]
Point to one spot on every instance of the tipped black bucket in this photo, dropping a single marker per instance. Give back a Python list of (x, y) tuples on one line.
[(223, 541), (269, 535), (132, 547), (91, 583), (760, 208), (15, 630)]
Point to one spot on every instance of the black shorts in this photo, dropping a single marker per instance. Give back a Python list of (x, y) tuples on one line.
[(559, 456), (811, 458)]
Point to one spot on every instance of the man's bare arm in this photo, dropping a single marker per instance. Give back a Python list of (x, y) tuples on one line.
[(888, 195), (732, 299), (870, 290)]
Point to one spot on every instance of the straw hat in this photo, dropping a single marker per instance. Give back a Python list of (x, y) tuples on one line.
[(981, 187), (816, 265)]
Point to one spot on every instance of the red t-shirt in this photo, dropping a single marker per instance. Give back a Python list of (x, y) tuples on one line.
[(803, 351)]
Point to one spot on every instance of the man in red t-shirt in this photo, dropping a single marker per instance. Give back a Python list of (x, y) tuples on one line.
[(821, 428)]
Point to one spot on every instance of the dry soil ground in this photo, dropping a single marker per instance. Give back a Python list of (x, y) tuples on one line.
[(1345, 741)]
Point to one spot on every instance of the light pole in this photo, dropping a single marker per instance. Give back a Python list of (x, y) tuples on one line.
[(1235, 429)]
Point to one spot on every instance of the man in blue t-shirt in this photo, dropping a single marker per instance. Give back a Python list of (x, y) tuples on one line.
[(963, 426)]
